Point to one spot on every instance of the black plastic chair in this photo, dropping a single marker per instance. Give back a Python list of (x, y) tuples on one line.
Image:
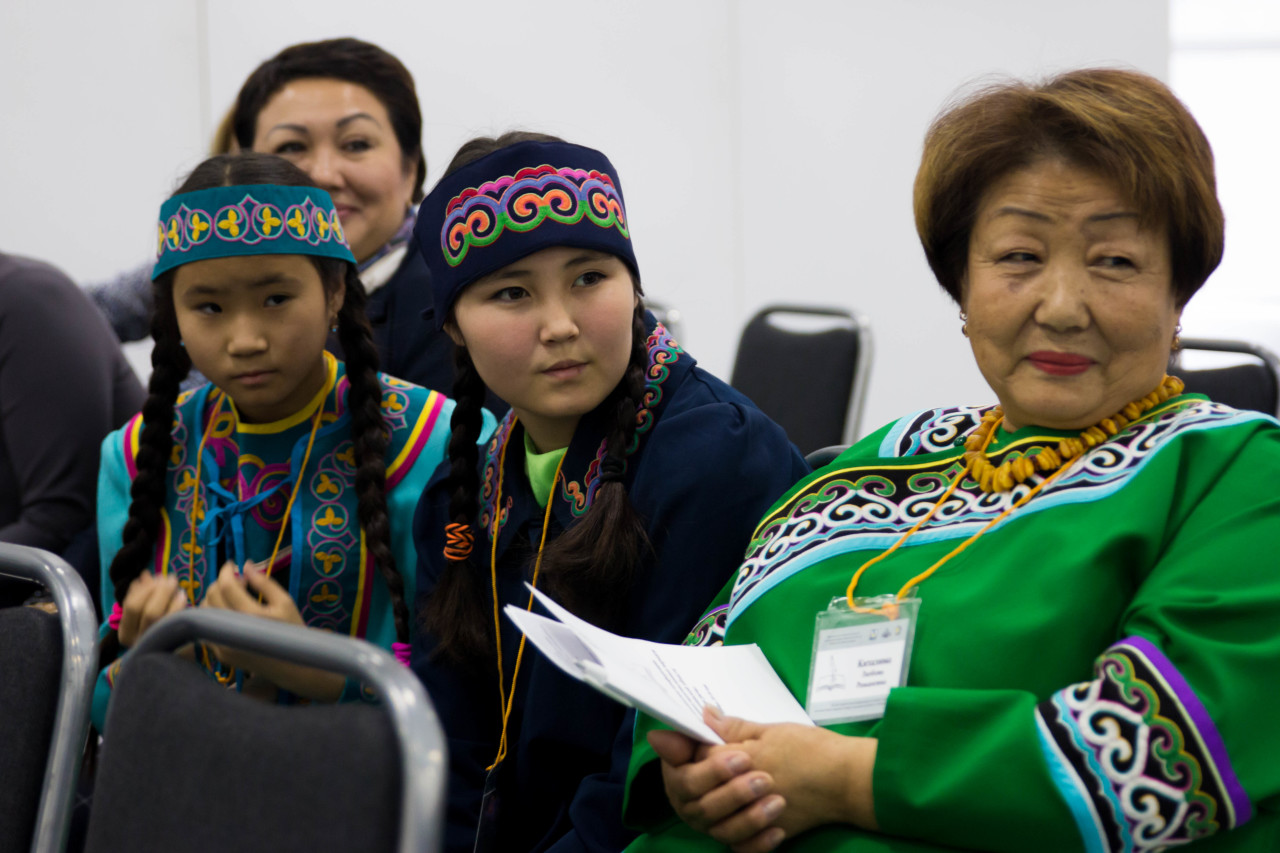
[(188, 765), (824, 456), (806, 368), (1253, 385), (48, 664)]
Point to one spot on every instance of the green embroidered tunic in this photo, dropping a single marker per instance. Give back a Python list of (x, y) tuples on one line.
[(1096, 672)]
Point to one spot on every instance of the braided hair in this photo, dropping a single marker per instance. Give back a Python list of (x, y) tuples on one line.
[(600, 553), (171, 364)]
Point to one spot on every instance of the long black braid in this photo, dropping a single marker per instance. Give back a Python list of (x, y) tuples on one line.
[(369, 433), (169, 366), (456, 611)]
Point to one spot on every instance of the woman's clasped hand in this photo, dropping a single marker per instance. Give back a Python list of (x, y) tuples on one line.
[(751, 794)]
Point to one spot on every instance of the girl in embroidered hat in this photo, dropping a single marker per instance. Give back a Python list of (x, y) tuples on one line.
[(204, 498), (623, 482)]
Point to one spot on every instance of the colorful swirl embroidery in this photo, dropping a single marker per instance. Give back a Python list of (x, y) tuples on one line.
[(521, 202), (663, 351), (710, 628), (489, 489), (867, 507), (1136, 756)]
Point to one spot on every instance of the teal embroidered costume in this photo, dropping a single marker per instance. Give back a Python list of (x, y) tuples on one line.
[(246, 476), (1094, 673)]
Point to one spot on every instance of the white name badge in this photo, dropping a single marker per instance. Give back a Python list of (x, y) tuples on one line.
[(859, 655)]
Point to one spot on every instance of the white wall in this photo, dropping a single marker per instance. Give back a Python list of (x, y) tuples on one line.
[(1224, 60), (836, 100), (767, 150)]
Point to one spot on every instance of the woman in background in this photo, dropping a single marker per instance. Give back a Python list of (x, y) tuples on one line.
[(346, 112)]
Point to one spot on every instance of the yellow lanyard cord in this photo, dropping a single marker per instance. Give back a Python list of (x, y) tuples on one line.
[(927, 573), (297, 486), (507, 700), (195, 498)]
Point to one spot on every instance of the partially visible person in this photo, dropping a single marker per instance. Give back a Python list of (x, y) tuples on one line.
[(347, 113), (1085, 573), (64, 384)]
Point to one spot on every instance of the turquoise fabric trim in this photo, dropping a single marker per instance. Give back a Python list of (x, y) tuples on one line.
[(257, 219), (1076, 798)]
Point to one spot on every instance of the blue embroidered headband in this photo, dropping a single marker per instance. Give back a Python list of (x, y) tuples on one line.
[(256, 219), (514, 202)]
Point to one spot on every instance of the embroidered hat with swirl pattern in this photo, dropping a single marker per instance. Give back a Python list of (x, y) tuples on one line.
[(262, 219), (514, 202)]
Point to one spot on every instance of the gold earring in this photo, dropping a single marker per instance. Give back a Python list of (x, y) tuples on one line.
[(964, 324), (1177, 338)]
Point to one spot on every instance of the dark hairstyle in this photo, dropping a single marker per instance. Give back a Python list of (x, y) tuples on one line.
[(588, 567), (347, 59), (1126, 126), (170, 365)]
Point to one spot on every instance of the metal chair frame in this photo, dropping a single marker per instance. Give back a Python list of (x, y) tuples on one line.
[(424, 764), (79, 623)]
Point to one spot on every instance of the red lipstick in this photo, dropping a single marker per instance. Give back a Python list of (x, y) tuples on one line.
[(1060, 363)]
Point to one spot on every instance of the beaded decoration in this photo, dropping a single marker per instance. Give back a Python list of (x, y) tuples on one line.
[(993, 478)]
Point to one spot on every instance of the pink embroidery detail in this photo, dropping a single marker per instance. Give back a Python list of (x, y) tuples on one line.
[(401, 651)]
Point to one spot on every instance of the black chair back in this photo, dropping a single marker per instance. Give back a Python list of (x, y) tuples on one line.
[(30, 677), (188, 765), (806, 368), (1253, 385)]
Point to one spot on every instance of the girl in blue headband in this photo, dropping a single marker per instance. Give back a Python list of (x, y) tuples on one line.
[(625, 482), (284, 488)]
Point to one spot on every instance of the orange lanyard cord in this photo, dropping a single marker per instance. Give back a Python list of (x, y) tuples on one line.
[(927, 573), (507, 699)]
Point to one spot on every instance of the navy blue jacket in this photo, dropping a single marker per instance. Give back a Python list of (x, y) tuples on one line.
[(708, 465), (410, 345)]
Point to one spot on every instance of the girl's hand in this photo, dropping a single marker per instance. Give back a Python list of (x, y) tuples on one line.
[(815, 777), (239, 592), (148, 600)]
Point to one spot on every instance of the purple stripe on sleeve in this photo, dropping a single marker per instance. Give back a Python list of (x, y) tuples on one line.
[(1195, 710)]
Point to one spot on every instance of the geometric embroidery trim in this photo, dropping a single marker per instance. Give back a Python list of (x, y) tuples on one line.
[(1136, 756)]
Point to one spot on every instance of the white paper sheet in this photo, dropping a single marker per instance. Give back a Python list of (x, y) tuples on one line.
[(671, 683)]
